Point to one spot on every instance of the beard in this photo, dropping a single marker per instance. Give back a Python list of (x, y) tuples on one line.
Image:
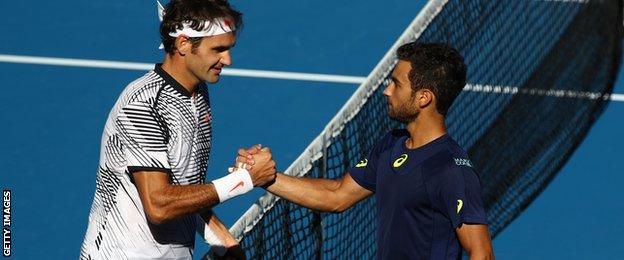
[(403, 113)]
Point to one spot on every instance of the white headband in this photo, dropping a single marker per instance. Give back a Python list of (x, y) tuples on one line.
[(211, 28)]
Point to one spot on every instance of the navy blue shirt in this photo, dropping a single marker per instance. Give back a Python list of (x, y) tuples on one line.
[(422, 196)]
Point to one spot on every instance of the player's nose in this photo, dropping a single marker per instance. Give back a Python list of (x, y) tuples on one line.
[(388, 90), (226, 58)]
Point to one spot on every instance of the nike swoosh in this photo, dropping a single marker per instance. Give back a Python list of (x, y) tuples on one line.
[(240, 184)]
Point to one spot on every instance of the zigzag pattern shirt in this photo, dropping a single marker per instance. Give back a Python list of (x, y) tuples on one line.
[(155, 125)]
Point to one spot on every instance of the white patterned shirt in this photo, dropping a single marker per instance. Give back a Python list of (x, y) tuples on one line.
[(156, 125)]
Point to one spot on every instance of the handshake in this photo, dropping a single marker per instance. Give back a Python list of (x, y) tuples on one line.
[(258, 161), (254, 167)]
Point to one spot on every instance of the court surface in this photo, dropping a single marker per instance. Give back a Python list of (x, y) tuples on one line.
[(53, 116)]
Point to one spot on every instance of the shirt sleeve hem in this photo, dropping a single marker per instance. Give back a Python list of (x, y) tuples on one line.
[(364, 184), (133, 169), (470, 220)]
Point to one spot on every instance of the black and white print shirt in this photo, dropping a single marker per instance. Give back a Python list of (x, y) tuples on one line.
[(156, 125)]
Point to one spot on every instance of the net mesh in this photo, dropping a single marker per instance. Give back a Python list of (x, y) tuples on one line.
[(539, 73)]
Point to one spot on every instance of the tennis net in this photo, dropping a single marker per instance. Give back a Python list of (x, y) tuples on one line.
[(539, 75)]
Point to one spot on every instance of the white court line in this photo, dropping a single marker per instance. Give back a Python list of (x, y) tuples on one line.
[(617, 97), (148, 66), (292, 76)]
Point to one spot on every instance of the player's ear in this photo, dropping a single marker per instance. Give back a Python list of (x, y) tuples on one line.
[(424, 97), (183, 45)]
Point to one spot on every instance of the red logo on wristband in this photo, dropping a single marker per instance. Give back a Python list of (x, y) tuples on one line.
[(241, 184)]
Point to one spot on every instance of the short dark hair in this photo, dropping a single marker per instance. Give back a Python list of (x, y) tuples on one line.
[(437, 67), (195, 12)]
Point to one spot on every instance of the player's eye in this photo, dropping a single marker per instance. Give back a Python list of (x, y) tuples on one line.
[(221, 48), (396, 82)]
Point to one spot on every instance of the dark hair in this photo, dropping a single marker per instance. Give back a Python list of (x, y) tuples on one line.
[(195, 12), (437, 67)]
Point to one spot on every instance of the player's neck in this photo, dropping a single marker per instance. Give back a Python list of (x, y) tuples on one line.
[(177, 69), (425, 129)]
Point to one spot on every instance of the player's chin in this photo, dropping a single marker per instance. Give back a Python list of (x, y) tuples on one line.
[(390, 110), (212, 78)]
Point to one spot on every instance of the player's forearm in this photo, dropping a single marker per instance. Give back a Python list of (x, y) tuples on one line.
[(481, 254), (316, 194), (475, 239), (217, 227), (175, 201), (480, 250)]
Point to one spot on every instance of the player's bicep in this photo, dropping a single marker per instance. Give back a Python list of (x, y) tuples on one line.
[(143, 135), (351, 192), (364, 173), (150, 185), (475, 239), (460, 197)]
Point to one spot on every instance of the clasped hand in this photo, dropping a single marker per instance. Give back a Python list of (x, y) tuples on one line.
[(259, 162)]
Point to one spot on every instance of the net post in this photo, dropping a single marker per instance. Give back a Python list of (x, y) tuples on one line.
[(261, 247), (621, 16), (317, 218), (287, 234), (318, 232)]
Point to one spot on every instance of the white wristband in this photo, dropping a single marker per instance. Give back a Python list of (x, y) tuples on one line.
[(234, 184)]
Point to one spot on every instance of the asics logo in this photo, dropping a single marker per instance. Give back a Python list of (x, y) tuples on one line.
[(362, 163), (400, 161), (460, 204)]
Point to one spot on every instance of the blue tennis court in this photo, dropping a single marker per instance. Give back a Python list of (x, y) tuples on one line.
[(54, 116)]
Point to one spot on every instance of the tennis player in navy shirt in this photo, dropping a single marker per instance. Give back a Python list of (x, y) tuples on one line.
[(428, 192)]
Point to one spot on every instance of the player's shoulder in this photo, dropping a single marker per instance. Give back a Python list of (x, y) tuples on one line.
[(144, 89), (448, 162)]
